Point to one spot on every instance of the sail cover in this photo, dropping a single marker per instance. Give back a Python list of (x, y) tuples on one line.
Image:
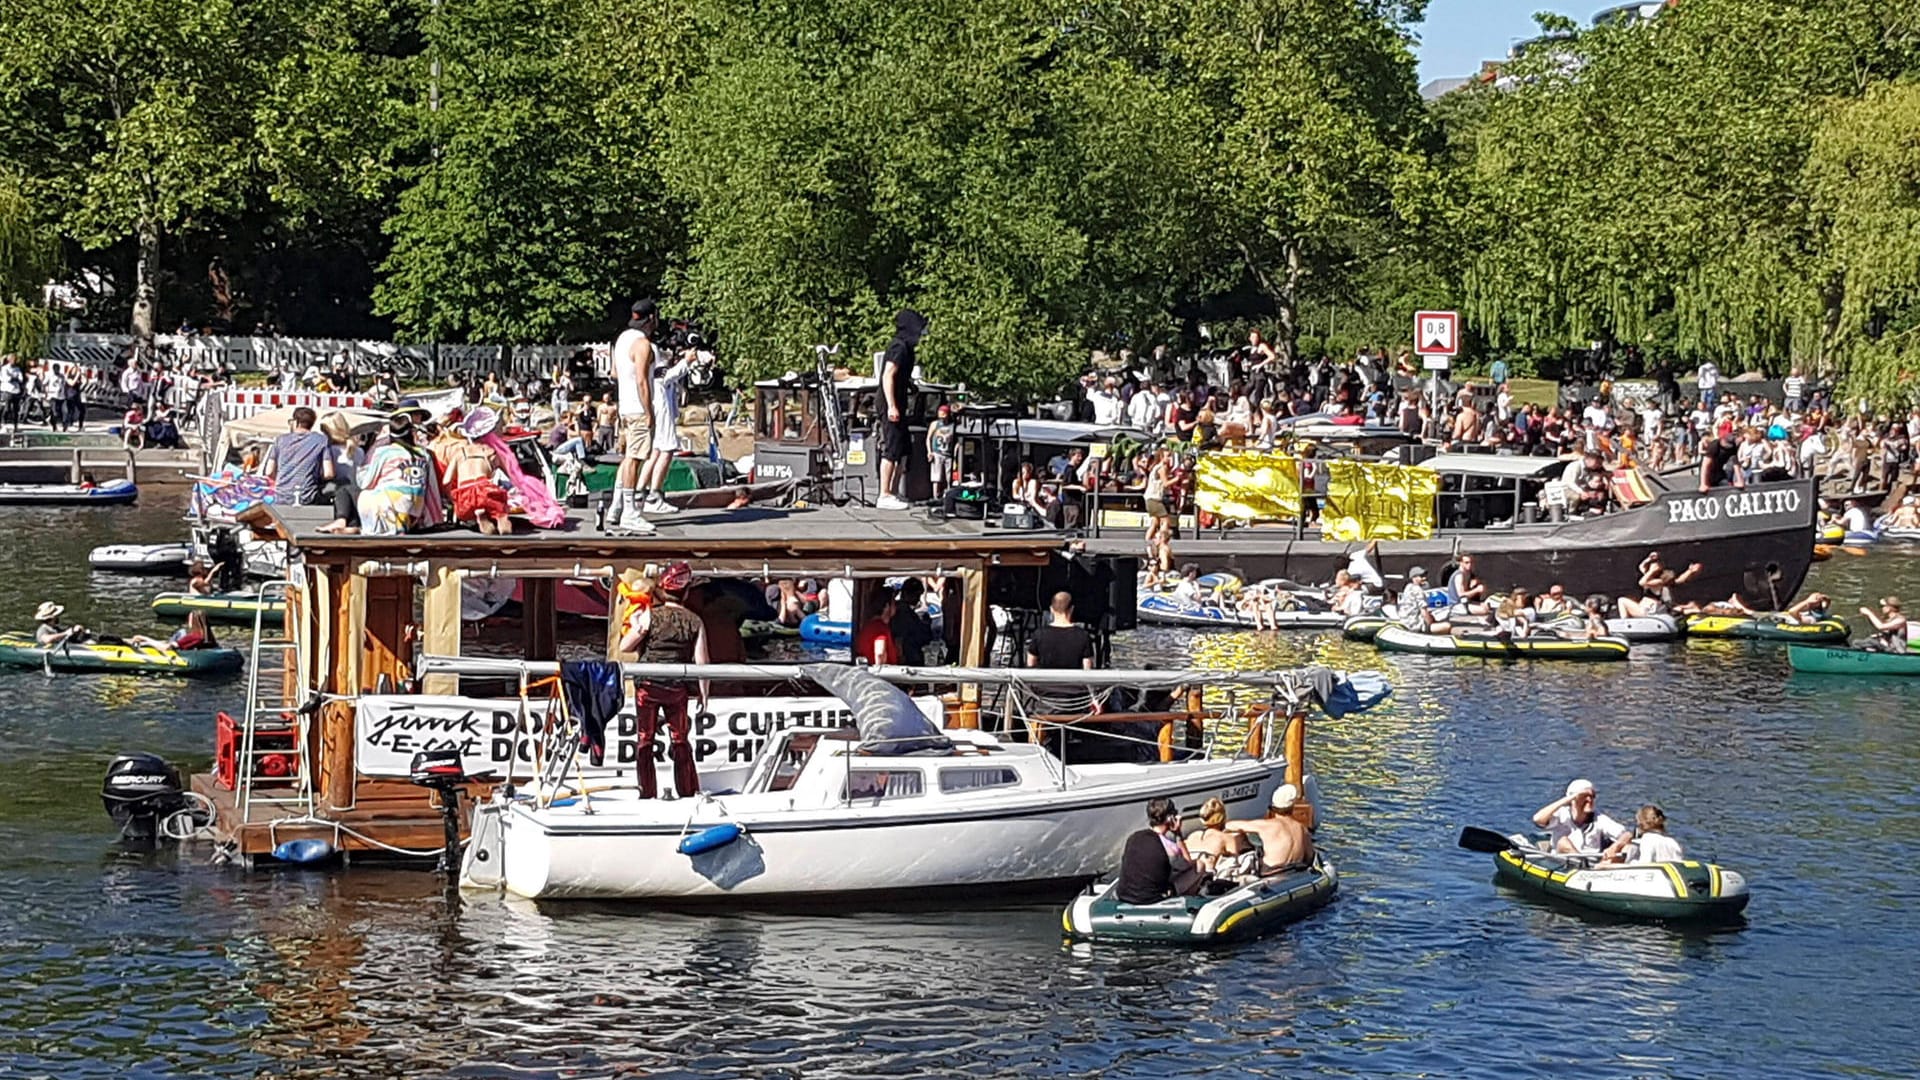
[(889, 721)]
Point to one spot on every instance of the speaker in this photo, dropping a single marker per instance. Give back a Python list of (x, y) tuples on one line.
[(1122, 573), (1017, 587)]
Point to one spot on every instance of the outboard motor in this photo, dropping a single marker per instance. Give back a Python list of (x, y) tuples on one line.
[(443, 771), (140, 791)]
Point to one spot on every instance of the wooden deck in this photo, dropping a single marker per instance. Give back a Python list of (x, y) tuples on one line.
[(398, 814)]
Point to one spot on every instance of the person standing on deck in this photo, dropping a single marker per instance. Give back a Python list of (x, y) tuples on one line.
[(896, 388), (632, 362), (669, 377), (666, 632)]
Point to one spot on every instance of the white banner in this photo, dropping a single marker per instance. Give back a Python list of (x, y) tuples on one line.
[(390, 729)]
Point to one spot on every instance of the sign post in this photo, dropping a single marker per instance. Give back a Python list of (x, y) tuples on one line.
[(1436, 337)]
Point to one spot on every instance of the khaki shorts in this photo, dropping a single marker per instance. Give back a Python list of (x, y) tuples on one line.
[(637, 432)]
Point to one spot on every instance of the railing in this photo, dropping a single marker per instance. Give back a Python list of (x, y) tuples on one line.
[(274, 354)]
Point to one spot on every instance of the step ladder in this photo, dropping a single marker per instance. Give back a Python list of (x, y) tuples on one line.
[(276, 694)]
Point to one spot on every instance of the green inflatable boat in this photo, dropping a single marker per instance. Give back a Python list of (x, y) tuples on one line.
[(1245, 913), (1766, 628), (1683, 891), (21, 650), (1820, 661), (218, 607), (1364, 627), (1397, 638)]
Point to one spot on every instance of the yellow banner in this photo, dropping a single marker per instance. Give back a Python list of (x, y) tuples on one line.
[(1378, 502), (1248, 487)]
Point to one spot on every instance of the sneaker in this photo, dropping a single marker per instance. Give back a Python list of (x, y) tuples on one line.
[(657, 503), (889, 502), (632, 525)]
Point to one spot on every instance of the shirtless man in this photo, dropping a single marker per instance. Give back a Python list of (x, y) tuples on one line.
[(1284, 843)]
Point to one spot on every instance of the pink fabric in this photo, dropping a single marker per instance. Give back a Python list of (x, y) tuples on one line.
[(541, 508)]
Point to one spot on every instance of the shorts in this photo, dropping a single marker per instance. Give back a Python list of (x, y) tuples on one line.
[(476, 497), (1157, 508), (893, 441), (939, 468), (638, 434)]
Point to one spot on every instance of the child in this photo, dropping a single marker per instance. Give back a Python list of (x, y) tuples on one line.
[(940, 450), (133, 428), (1650, 844)]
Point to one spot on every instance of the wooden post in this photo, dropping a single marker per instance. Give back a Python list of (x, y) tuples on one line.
[(973, 641), (337, 621), (440, 626), (1297, 749), (539, 628)]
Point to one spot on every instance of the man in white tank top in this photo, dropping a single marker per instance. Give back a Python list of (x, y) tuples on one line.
[(632, 360)]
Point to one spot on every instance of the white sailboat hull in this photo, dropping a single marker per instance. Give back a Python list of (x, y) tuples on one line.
[(626, 849)]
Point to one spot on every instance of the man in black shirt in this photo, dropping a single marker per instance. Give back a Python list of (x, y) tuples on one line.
[(1155, 863), (896, 392), (1062, 644)]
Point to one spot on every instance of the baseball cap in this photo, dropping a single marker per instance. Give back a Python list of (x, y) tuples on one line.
[(1579, 787)]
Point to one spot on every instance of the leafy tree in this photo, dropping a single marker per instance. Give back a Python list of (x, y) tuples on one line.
[(26, 254)]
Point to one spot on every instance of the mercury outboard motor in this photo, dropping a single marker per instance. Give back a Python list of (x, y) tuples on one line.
[(140, 791)]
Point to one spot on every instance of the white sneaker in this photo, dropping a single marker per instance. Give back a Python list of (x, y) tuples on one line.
[(657, 504), (889, 502), (634, 525)]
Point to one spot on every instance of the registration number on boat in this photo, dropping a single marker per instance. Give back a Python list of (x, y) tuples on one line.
[(1244, 791)]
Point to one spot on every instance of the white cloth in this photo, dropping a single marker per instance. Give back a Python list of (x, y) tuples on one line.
[(1656, 848), (1856, 520), (1144, 412), (667, 384), (10, 381), (1708, 378), (626, 374)]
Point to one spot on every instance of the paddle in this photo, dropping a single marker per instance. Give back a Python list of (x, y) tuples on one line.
[(1489, 842)]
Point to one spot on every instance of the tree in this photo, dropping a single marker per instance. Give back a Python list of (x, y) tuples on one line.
[(26, 254), (533, 193)]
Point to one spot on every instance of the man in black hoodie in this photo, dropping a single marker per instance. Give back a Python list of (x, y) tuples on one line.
[(896, 389)]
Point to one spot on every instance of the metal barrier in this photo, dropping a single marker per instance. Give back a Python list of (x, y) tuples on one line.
[(277, 354)]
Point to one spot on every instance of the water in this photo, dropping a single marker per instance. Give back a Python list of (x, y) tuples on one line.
[(114, 964)]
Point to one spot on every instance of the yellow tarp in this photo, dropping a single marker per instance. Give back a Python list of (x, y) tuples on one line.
[(1248, 487), (1378, 502)]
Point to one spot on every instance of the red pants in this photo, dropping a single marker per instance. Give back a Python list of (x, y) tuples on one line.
[(650, 701)]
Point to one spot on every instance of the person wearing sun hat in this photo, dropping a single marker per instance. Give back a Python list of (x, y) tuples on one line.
[(396, 483), (50, 632), (666, 631), (469, 466)]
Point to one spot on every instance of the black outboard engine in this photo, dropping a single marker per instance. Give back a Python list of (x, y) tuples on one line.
[(443, 771), (141, 791)]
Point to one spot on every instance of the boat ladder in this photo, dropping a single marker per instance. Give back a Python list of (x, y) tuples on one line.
[(276, 729)]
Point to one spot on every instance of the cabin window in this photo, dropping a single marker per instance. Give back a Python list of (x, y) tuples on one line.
[(792, 758), (875, 785), (793, 416), (975, 778), (768, 411)]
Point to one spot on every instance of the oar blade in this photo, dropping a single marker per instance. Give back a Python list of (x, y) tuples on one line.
[(1484, 840)]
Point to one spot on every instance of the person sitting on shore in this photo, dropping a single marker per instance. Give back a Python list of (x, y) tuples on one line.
[(1155, 864), (1575, 826), (1284, 842), (50, 633), (1891, 630), (1219, 852)]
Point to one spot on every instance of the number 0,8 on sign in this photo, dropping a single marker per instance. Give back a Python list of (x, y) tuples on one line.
[(1436, 333)]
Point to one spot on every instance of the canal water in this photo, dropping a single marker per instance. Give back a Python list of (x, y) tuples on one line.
[(118, 964)]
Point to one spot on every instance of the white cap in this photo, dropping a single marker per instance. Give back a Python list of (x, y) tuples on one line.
[(1285, 796), (1579, 787)]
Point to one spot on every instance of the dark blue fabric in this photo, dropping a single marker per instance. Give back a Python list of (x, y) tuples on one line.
[(595, 693)]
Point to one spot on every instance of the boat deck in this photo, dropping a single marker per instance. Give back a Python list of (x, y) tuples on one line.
[(398, 814), (750, 533)]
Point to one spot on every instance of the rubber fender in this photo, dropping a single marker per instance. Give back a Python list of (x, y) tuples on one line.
[(708, 839)]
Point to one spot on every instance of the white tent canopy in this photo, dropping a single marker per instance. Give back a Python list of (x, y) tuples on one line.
[(267, 426)]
